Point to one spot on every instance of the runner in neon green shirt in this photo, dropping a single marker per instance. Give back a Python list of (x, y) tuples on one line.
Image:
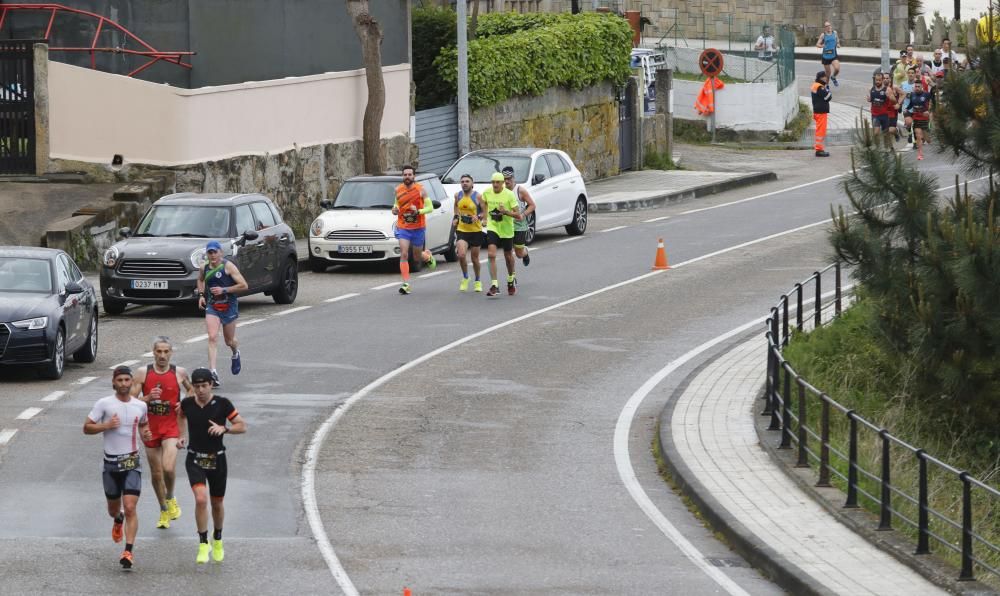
[(502, 209)]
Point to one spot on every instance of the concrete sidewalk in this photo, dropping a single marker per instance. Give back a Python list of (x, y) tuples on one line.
[(708, 437), (646, 189)]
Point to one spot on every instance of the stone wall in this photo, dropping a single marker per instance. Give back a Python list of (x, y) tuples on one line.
[(583, 123), (296, 180)]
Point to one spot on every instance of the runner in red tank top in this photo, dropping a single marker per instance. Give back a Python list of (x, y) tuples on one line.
[(159, 385)]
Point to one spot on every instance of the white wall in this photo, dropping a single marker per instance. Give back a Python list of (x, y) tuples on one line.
[(95, 115), (740, 106), (738, 67)]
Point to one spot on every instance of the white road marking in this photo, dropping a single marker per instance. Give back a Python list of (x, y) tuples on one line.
[(126, 363), (6, 435), (656, 219), (196, 339), (432, 274), (344, 297), (84, 380), (28, 414), (570, 239), (767, 194), (291, 310), (54, 396), (388, 285), (250, 322), (614, 229), (147, 355)]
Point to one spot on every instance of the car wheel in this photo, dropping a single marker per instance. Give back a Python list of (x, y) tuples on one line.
[(88, 352), (54, 369), (288, 283), (451, 255), (318, 265), (530, 236), (114, 307), (579, 224)]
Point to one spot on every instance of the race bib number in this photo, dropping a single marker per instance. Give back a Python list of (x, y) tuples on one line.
[(410, 217), (206, 461), (159, 408), (466, 219), (124, 463), (220, 306)]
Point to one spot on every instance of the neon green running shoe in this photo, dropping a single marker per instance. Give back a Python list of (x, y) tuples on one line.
[(164, 522), (202, 557), (404, 289), (464, 286), (432, 264), (217, 553), (173, 508), (478, 286)]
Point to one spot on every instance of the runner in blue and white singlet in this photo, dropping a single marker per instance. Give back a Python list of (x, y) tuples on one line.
[(829, 41)]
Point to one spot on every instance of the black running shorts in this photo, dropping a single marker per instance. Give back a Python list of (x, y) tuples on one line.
[(493, 239), (202, 469), (473, 239)]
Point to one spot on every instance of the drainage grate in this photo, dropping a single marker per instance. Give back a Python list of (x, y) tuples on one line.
[(723, 562)]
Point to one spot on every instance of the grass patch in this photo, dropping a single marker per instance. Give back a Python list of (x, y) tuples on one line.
[(657, 160), (846, 361), (686, 76), (797, 127)]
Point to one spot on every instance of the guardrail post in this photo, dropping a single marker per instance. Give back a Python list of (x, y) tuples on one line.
[(966, 574), (769, 378), (786, 412), (817, 311), (803, 460), (837, 289), (824, 439), (784, 319), (798, 306), (923, 519), (885, 516), (852, 463), (775, 423)]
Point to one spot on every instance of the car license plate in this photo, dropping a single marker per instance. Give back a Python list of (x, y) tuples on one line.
[(354, 249), (148, 284)]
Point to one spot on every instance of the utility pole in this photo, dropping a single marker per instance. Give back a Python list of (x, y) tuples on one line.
[(463, 79), (885, 34), (575, 6), (958, 10)]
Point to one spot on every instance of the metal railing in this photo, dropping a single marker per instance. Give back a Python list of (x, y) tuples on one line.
[(821, 430)]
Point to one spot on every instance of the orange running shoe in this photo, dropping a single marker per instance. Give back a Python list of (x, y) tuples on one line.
[(126, 559), (117, 530)]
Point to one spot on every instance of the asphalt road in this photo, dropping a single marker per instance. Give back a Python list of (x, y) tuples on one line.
[(855, 80), (489, 466)]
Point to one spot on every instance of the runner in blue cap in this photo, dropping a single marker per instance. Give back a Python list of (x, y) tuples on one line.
[(218, 285)]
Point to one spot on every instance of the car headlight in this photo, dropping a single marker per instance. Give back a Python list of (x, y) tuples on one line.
[(198, 258), (317, 227), (111, 257), (36, 323)]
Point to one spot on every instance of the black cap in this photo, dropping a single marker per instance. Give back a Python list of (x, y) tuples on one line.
[(121, 370), (201, 375), (820, 75), (507, 171)]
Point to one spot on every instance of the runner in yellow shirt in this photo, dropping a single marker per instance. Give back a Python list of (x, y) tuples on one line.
[(502, 209), (468, 231)]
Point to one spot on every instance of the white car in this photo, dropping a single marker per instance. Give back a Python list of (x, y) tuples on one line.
[(548, 174), (359, 226)]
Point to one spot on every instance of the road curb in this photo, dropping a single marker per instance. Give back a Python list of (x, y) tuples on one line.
[(704, 190), (771, 563)]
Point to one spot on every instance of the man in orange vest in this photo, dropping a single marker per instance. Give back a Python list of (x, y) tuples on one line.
[(821, 110)]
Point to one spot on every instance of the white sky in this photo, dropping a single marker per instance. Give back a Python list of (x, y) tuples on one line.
[(971, 9)]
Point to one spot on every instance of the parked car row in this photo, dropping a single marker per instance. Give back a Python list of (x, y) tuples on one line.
[(48, 310)]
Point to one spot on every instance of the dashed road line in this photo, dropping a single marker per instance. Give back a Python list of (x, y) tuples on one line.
[(291, 310), (250, 322), (570, 239), (147, 355), (126, 363), (661, 218), (432, 274), (54, 396), (6, 435), (28, 414), (388, 285), (196, 339), (84, 380), (344, 297), (767, 194), (614, 229)]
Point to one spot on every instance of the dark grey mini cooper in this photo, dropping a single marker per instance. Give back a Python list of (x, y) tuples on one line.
[(158, 262)]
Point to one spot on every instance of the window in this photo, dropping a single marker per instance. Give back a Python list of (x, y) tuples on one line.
[(74, 272), (62, 272), (264, 215), (541, 169), (274, 212), (185, 220), (556, 166), (244, 219), (437, 191), (25, 275), (482, 166)]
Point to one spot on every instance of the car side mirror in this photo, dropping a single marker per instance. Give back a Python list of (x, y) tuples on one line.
[(250, 235), (437, 204), (326, 204), (74, 288), (537, 179), (124, 232)]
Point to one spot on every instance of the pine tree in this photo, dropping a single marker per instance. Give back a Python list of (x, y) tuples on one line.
[(930, 266)]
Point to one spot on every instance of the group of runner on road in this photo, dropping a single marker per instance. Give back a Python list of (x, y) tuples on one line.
[(147, 406), (495, 219)]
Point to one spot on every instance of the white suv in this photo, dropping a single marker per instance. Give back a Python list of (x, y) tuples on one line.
[(358, 225)]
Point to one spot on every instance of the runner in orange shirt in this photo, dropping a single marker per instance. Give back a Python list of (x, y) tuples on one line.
[(411, 207)]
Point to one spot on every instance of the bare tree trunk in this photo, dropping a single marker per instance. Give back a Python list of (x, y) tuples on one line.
[(370, 34), (475, 20)]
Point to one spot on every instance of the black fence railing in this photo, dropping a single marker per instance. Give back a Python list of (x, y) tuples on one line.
[(874, 467)]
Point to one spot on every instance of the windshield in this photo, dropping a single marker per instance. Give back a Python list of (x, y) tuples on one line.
[(367, 195), (481, 167), (25, 275), (185, 221)]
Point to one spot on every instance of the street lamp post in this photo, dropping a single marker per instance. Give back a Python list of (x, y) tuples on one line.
[(463, 79), (884, 31)]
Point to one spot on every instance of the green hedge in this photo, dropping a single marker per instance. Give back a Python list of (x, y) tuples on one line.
[(505, 23), (433, 29), (574, 51)]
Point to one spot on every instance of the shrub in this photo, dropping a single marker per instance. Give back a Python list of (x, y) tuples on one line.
[(433, 29)]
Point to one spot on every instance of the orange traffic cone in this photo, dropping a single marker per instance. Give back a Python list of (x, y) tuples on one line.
[(661, 257)]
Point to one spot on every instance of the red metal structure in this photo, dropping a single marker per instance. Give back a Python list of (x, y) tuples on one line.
[(152, 54)]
